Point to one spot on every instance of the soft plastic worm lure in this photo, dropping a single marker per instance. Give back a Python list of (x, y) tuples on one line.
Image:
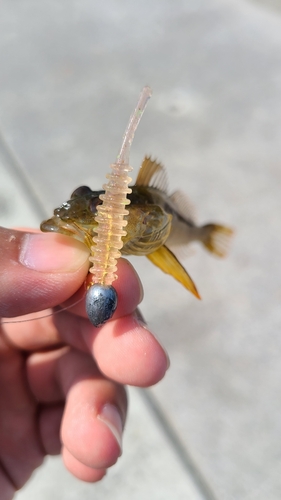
[(101, 296)]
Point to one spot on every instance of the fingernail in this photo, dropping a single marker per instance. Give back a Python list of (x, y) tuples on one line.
[(111, 417), (52, 253), (141, 321)]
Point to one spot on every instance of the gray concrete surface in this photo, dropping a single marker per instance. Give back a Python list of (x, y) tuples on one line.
[(70, 73)]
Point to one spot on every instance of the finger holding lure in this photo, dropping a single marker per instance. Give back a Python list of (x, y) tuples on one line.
[(155, 223)]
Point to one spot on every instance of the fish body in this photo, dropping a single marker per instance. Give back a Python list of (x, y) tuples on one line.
[(156, 222)]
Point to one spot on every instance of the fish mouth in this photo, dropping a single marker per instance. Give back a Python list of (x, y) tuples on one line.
[(72, 229)]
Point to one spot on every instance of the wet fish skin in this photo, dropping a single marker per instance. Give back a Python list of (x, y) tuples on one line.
[(156, 222)]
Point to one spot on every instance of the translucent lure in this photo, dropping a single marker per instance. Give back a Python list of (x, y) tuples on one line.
[(101, 296)]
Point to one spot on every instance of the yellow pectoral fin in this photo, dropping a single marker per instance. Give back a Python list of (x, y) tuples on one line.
[(169, 264)]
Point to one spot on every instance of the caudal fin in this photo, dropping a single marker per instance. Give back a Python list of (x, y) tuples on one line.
[(216, 238)]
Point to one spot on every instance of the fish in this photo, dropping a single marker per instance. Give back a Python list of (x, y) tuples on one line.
[(157, 223)]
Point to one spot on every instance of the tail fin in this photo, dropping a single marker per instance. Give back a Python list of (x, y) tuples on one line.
[(216, 238)]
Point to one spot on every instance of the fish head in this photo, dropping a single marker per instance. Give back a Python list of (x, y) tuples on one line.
[(76, 217), (82, 206)]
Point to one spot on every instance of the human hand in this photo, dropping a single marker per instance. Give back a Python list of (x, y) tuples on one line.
[(61, 379)]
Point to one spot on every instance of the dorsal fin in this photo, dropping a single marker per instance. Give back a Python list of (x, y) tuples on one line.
[(152, 173), (183, 206)]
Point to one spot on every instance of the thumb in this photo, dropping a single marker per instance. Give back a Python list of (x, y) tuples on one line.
[(38, 270)]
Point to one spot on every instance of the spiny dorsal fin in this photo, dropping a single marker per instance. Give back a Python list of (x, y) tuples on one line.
[(183, 206), (152, 173)]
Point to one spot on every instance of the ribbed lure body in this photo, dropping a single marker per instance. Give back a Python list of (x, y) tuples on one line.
[(110, 226), (110, 219)]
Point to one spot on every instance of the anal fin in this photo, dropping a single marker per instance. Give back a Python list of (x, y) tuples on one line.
[(169, 264)]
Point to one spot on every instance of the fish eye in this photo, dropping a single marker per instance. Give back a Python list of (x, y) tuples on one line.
[(94, 202), (81, 191)]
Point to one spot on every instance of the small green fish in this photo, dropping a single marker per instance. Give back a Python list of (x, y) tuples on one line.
[(156, 222)]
